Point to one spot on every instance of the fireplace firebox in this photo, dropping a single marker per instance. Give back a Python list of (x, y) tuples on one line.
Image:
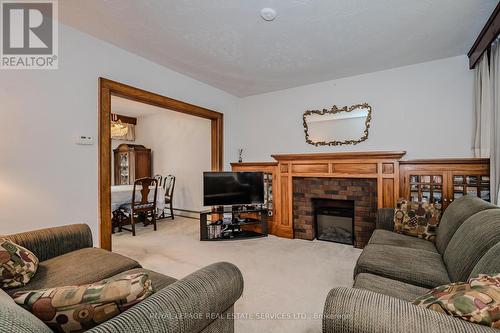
[(334, 220)]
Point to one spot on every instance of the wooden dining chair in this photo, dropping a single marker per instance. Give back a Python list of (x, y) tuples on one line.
[(168, 187), (159, 178), (141, 204)]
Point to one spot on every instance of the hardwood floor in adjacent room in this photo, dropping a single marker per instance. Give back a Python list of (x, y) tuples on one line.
[(283, 277)]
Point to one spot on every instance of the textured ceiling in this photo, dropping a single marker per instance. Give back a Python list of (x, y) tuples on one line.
[(226, 44)]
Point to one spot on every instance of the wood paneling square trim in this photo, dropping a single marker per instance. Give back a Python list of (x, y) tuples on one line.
[(388, 168)]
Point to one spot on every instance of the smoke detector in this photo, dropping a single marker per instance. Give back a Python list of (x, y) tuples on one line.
[(268, 14)]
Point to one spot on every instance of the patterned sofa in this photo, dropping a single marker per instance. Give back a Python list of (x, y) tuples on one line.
[(394, 269), (200, 302)]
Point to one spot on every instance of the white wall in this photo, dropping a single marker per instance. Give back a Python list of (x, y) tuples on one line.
[(425, 109), (180, 146), (45, 178), (48, 180)]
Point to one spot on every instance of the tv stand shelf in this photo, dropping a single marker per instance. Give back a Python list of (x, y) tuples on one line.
[(247, 223)]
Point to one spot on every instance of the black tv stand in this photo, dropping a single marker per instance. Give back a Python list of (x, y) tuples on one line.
[(244, 208), (231, 223)]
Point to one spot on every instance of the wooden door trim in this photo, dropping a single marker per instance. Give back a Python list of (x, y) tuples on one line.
[(108, 88)]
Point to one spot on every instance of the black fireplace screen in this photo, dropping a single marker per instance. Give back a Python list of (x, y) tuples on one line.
[(334, 220)]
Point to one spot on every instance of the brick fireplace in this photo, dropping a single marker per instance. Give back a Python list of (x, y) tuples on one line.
[(362, 191)]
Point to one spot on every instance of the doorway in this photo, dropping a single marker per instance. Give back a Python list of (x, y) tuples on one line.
[(108, 88)]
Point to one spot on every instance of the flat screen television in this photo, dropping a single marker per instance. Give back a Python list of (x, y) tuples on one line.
[(233, 188)]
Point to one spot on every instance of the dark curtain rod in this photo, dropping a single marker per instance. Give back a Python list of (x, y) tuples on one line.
[(486, 37)]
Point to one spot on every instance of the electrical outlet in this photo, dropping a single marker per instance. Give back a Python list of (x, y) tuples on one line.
[(85, 140)]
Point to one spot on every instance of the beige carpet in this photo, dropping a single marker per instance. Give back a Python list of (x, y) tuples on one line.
[(286, 277)]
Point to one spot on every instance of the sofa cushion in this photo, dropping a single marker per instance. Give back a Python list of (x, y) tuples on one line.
[(52, 242), (15, 319), (384, 237), (453, 217), (475, 237), (417, 219), (159, 281), (17, 264), (78, 308), (489, 263), (477, 300), (390, 287), (419, 267), (79, 267)]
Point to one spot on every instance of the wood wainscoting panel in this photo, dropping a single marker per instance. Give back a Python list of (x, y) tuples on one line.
[(310, 168), (355, 168), (388, 193), (388, 168), (284, 227)]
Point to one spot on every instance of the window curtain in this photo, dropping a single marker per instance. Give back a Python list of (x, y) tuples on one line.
[(487, 115), (482, 108), (495, 122)]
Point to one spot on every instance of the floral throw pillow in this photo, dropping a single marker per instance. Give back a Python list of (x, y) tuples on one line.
[(78, 308), (417, 219), (17, 264), (477, 301)]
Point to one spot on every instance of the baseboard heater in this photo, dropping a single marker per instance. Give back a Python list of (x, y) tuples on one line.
[(192, 214)]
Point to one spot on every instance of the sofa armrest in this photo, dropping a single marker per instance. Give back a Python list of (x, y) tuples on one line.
[(350, 310), (385, 219), (52, 242), (188, 305)]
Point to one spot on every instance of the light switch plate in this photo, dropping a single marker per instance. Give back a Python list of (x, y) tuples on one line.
[(85, 140)]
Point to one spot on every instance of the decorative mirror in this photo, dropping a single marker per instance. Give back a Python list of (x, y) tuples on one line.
[(335, 127)]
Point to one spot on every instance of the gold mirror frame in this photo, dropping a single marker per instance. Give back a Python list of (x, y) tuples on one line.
[(335, 110)]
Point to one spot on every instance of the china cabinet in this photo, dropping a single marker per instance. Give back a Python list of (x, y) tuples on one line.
[(130, 163)]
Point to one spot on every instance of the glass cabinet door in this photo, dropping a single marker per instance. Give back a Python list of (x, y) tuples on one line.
[(475, 185), (426, 188), (124, 169), (268, 191)]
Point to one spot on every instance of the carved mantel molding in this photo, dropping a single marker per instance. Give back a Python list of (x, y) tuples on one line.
[(396, 155)]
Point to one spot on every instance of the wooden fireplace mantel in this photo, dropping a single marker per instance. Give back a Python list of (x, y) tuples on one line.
[(342, 155), (393, 176), (380, 165)]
